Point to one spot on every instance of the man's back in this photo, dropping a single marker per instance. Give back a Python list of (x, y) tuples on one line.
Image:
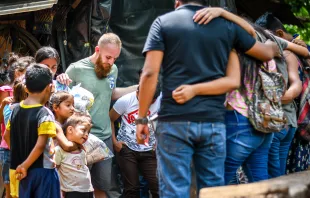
[(26, 123), (193, 54)]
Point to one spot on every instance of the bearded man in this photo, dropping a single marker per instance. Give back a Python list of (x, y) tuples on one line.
[(98, 74)]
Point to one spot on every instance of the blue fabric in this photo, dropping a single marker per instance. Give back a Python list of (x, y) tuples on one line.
[(246, 147), (40, 182), (178, 143), (5, 160), (6, 113), (193, 54), (279, 151), (60, 87)]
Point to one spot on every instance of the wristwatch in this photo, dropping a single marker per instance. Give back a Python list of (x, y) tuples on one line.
[(141, 121)]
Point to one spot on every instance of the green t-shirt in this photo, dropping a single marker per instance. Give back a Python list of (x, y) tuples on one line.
[(83, 72)]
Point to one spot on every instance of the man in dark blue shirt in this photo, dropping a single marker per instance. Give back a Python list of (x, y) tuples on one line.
[(190, 54)]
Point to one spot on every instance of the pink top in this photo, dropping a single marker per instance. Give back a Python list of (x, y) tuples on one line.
[(3, 143), (238, 101)]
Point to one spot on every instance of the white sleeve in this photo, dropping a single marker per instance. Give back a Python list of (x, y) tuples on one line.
[(58, 155), (121, 105)]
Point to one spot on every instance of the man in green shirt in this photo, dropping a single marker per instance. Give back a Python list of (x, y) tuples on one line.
[(98, 74)]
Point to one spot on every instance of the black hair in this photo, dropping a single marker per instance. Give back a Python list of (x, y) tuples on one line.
[(20, 66), (270, 22), (202, 2), (37, 77), (58, 98), (46, 53), (76, 119)]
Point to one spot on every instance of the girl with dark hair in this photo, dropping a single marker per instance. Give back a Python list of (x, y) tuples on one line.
[(50, 57), (246, 146)]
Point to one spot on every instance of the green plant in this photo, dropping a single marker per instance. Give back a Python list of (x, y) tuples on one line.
[(301, 9)]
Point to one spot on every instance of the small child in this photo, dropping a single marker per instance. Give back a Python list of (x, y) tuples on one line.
[(62, 105), (72, 166), (29, 134)]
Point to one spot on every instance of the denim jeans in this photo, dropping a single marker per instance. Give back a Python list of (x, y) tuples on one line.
[(278, 152), (178, 143), (246, 147)]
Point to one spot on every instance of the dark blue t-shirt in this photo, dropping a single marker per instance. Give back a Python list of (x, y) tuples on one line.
[(193, 54)]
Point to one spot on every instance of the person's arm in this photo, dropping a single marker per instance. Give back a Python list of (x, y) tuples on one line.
[(21, 170), (4, 102), (3, 96), (219, 86), (295, 87), (264, 51), (205, 15), (65, 144), (116, 144), (7, 136), (147, 87), (68, 77), (119, 92), (298, 49)]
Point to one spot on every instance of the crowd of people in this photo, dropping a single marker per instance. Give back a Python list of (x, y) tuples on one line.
[(202, 84)]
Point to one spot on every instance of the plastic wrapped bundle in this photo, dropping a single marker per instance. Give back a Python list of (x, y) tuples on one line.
[(83, 99), (96, 150)]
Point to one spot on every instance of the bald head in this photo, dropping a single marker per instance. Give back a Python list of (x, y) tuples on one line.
[(109, 38)]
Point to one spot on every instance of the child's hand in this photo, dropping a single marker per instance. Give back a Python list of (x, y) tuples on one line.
[(7, 100), (183, 93), (21, 172)]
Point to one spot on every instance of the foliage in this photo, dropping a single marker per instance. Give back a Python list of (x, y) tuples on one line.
[(301, 9)]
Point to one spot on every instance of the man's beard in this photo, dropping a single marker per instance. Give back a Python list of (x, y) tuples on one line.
[(102, 69)]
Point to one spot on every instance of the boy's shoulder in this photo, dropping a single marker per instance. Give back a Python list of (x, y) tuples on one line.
[(128, 97)]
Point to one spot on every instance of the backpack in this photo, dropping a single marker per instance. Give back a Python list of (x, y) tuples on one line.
[(265, 108)]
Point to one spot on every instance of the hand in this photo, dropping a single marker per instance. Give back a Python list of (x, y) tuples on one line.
[(21, 172), (118, 145), (142, 134), (275, 47), (300, 42), (183, 94), (205, 15), (7, 100), (64, 79)]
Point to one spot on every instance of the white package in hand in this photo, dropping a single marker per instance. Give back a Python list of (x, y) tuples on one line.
[(83, 99), (96, 150)]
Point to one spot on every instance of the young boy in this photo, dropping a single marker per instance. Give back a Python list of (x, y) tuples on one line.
[(74, 173), (29, 135)]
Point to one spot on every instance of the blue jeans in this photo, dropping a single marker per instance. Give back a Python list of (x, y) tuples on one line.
[(245, 147), (178, 143), (278, 152)]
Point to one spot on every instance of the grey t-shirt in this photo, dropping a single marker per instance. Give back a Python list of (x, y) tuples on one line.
[(83, 72), (289, 109)]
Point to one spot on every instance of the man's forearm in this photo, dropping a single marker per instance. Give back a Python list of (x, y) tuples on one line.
[(121, 91), (146, 92)]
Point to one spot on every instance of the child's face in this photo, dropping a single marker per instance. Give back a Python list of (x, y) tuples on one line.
[(65, 108), (79, 133)]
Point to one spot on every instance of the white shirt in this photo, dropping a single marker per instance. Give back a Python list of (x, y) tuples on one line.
[(73, 171), (127, 106)]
